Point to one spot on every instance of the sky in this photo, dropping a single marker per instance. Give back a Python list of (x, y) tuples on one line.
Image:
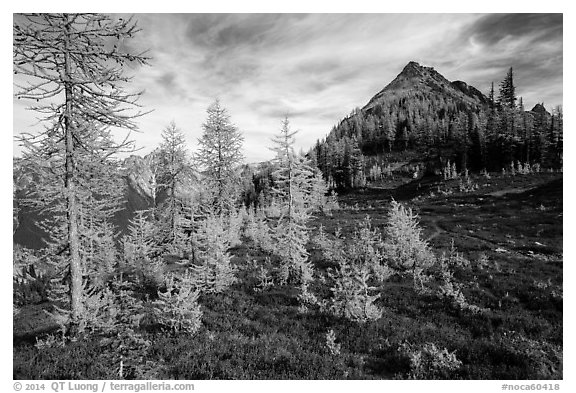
[(316, 68)]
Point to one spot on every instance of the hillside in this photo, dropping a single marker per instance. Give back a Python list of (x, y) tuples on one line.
[(421, 120)]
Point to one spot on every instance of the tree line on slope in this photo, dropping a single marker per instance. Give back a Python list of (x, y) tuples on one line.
[(477, 137)]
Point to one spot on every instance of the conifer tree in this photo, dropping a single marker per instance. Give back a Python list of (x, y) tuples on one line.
[(174, 169), (214, 273), (293, 175), (220, 155), (360, 264), (140, 243), (403, 245), (72, 63), (177, 307), (507, 96), (526, 127), (352, 294), (555, 138), (293, 184)]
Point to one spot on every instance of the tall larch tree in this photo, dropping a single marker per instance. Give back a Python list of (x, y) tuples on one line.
[(220, 155), (293, 179), (73, 66), (174, 168)]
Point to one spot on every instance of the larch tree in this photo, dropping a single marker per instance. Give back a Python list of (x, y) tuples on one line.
[(174, 169), (293, 175), (293, 184), (73, 66), (220, 155)]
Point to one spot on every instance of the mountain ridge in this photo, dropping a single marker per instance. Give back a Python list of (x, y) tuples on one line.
[(423, 115), (415, 77)]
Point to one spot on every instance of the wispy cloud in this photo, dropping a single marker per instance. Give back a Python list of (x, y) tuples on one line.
[(316, 68)]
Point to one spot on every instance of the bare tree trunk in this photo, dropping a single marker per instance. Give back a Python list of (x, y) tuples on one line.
[(71, 202)]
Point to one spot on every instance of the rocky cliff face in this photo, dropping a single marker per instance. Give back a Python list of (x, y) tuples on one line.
[(141, 175)]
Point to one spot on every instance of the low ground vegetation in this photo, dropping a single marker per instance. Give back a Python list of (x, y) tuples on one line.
[(406, 285)]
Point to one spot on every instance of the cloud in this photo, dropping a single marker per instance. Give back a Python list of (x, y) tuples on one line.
[(231, 32), (492, 29)]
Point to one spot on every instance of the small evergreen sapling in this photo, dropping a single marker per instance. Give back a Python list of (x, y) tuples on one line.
[(265, 280), (257, 230), (331, 248), (352, 296), (177, 308), (404, 247), (215, 272), (359, 264), (365, 250)]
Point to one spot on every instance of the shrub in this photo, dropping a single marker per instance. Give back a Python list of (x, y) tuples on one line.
[(543, 359), (449, 289), (56, 340), (429, 362), (333, 348)]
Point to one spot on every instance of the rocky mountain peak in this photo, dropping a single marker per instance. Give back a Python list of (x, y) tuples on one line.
[(412, 69), (426, 80)]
